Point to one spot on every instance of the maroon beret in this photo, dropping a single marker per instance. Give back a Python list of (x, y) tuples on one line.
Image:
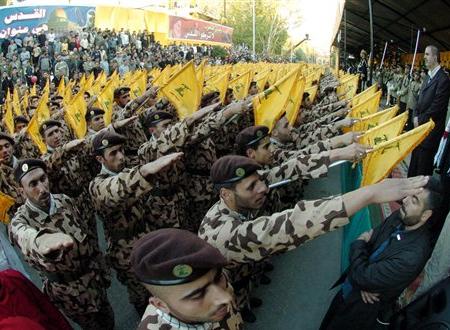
[(27, 165), (48, 124), (92, 112), (250, 136), (6, 136), (232, 168), (106, 139), (118, 92), (155, 117), (173, 256)]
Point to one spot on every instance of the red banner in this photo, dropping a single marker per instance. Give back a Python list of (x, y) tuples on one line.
[(190, 29)]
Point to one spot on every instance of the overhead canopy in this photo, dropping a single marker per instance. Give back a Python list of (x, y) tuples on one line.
[(397, 21)]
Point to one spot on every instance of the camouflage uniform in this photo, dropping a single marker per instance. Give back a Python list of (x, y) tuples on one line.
[(74, 279), (155, 319), (122, 202), (9, 186), (230, 231), (135, 132), (303, 140)]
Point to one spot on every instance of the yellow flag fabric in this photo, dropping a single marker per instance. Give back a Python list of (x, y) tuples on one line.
[(138, 84), (62, 87), (6, 202), (24, 102), (385, 156), (312, 92), (9, 117), (364, 95), (182, 91), (75, 114), (105, 99), (295, 101), (269, 105), (162, 78), (46, 89), (16, 102), (261, 79), (348, 87), (373, 120), (385, 131), (241, 84), (41, 114), (33, 91), (366, 108), (219, 84)]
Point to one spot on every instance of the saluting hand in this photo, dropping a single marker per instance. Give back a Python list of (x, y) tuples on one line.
[(48, 243), (73, 144), (390, 190), (124, 122), (160, 164)]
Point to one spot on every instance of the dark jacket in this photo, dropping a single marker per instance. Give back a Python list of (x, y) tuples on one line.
[(433, 103), (395, 268)]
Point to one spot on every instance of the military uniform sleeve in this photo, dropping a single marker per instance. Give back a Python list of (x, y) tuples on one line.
[(120, 190), (257, 239), (303, 166), (25, 236)]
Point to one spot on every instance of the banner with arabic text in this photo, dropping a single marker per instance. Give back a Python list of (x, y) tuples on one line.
[(22, 20)]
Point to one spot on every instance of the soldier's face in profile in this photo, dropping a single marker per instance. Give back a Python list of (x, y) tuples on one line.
[(203, 300), (53, 136), (160, 127), (97, 123), (35, 188), (263, 152), (6, 152), (19, 126), (282, 131), (250, 193), (124, 99), (253, 90), (113, 158)]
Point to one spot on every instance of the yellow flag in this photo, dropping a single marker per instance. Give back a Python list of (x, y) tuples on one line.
[(373, 120), (241, 84), (182, 90), (219, 84), (75, 114), (33, 91), (269, 105), (138, 84), (61, 87), (295, 101), (348, 86), (385, 156), (312, 92), (385, 131), (368, 107), (200, 74), (364, 95), (16, 102), (261, 79), (46, 89), (24, 103), (68, 92), (9, 117), (162, 78), (41, 114), (6, 202)]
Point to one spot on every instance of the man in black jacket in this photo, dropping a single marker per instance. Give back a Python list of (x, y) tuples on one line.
[(383, 262), (432, 103)]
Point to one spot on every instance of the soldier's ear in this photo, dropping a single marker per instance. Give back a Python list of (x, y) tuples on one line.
[(158, 303), (251, 153), (225, 194), (100, 159)]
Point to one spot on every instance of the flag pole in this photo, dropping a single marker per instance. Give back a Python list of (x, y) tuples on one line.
[(384, 54), (415, 52)]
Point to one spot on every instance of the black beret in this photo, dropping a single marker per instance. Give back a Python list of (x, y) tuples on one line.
[(92, 112), (173, 256), (6, 136), (27, 165), (57, 97), (106, 139), (48, 124), (232, 168), (155, 117), (21, 119), (121, 91), (251, 135)]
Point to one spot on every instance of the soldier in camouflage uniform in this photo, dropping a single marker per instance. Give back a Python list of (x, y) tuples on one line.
[(123, 201), (188, 286), (231, 226), (124, 108), (48, 230)]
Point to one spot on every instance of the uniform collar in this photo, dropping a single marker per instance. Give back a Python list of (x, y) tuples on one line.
[(35, 208), (235, 214), (50, 150), (107, 172), (177, 324)]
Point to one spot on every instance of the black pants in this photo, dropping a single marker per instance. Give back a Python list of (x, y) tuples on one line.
[(421, 162), (402, 107)]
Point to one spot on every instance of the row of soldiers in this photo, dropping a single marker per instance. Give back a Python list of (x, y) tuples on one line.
[(150, 170)]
